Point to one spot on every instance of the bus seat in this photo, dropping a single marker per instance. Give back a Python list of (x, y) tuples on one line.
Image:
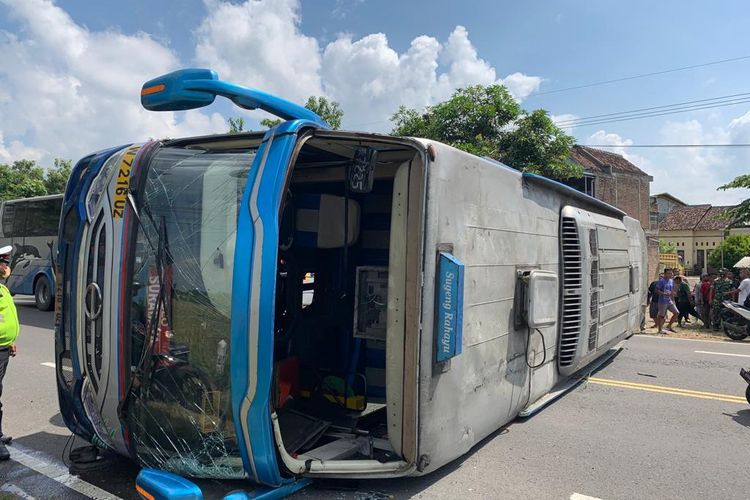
[(320, 221)]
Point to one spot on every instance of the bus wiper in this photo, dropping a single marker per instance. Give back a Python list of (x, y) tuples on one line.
[(143, 366)]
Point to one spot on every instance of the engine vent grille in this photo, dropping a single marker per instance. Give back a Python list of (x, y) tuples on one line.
[(572, 284)]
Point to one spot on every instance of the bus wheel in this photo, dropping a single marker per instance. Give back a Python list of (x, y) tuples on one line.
[(42, 294)]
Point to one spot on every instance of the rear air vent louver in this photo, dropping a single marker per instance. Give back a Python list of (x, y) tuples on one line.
[(594, 303), (572, 284)]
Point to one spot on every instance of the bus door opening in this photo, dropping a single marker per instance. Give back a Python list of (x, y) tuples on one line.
[(339, 327)]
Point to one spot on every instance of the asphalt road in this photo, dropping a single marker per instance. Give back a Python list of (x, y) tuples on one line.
[(666, 418)]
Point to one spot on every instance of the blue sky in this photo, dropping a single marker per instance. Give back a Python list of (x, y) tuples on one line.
[(70, 71)]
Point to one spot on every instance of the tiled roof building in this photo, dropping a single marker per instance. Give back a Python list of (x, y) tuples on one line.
[(696, 231), (614, 180)]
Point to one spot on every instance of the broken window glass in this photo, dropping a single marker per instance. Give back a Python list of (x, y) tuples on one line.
[(180, 413)]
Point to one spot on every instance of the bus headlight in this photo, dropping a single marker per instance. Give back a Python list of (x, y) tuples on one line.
[(99, 185)]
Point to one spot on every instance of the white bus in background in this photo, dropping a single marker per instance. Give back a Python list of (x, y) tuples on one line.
[(30, 225)]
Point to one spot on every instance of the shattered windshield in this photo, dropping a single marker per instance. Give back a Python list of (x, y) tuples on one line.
[(180, 411)]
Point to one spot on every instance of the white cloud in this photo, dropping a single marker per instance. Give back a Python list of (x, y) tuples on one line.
[(608, 138), (371, 80), (68, 91), (520, 85), (692, 174), (16, 150), (259, 44), (562, 119)]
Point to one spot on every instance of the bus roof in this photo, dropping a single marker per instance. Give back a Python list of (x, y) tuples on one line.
[(35, 198)]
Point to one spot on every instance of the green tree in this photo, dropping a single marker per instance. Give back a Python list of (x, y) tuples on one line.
[(667, 247), (22, 179), (56, 178), (270, 122), (741, 213), (733, 248), (236, 125), (487, 121), (330, 111)]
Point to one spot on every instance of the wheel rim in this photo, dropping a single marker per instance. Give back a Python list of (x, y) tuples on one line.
[(42, 292)]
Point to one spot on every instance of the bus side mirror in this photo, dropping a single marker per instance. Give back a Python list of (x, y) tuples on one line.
[(169, 93)]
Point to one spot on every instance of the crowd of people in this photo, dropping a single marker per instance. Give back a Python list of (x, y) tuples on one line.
[(704, 301)]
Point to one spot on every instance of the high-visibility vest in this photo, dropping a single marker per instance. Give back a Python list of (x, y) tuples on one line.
[(9, 326)]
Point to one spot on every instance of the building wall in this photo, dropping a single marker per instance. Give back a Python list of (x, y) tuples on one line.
[(691, 241), (653, 258), (628, 192)]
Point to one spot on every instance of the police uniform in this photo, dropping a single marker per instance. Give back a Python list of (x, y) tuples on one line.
[(9, 328)]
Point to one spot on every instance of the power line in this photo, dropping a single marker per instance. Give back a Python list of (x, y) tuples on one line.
[(635, 77), (627, 116), (738, 145), (662, 107)]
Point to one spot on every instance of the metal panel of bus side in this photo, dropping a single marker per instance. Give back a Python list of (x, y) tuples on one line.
[(637, 248), (481, 209)]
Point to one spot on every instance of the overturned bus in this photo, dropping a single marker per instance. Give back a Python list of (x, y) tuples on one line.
[(320, 303)]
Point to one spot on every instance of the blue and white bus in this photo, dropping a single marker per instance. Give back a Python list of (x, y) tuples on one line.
[(30, 226), (451, 294)]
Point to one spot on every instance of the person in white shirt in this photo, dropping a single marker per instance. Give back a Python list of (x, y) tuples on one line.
[(744, 288)]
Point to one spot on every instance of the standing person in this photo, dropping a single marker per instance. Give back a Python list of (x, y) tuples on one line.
[(9, 328), (706, 298), (697, 297), (665, 290), (744, 289), (653, 300), (722, 292), (684, 301)]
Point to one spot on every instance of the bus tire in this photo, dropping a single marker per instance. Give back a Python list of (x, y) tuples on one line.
[(43, 294)]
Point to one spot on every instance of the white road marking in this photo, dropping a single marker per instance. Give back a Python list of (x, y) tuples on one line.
[(53, 365), (724, 354), (578, 496), (57, 472), (666, 337)]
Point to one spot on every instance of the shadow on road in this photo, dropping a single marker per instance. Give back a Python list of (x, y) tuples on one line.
[(57, 420), (29, 315), (742, 417)]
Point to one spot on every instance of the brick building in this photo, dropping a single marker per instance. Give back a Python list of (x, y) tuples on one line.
[(613, 179)]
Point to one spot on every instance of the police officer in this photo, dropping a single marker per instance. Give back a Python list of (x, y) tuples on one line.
[(9, 328)]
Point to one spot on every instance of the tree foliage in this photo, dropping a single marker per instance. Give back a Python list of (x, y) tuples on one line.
[(236, 125), (24, 179), (734, 248), (487, 121), (330, 111), (270, 122), (667, 247), (741, 213), (56, 178)]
